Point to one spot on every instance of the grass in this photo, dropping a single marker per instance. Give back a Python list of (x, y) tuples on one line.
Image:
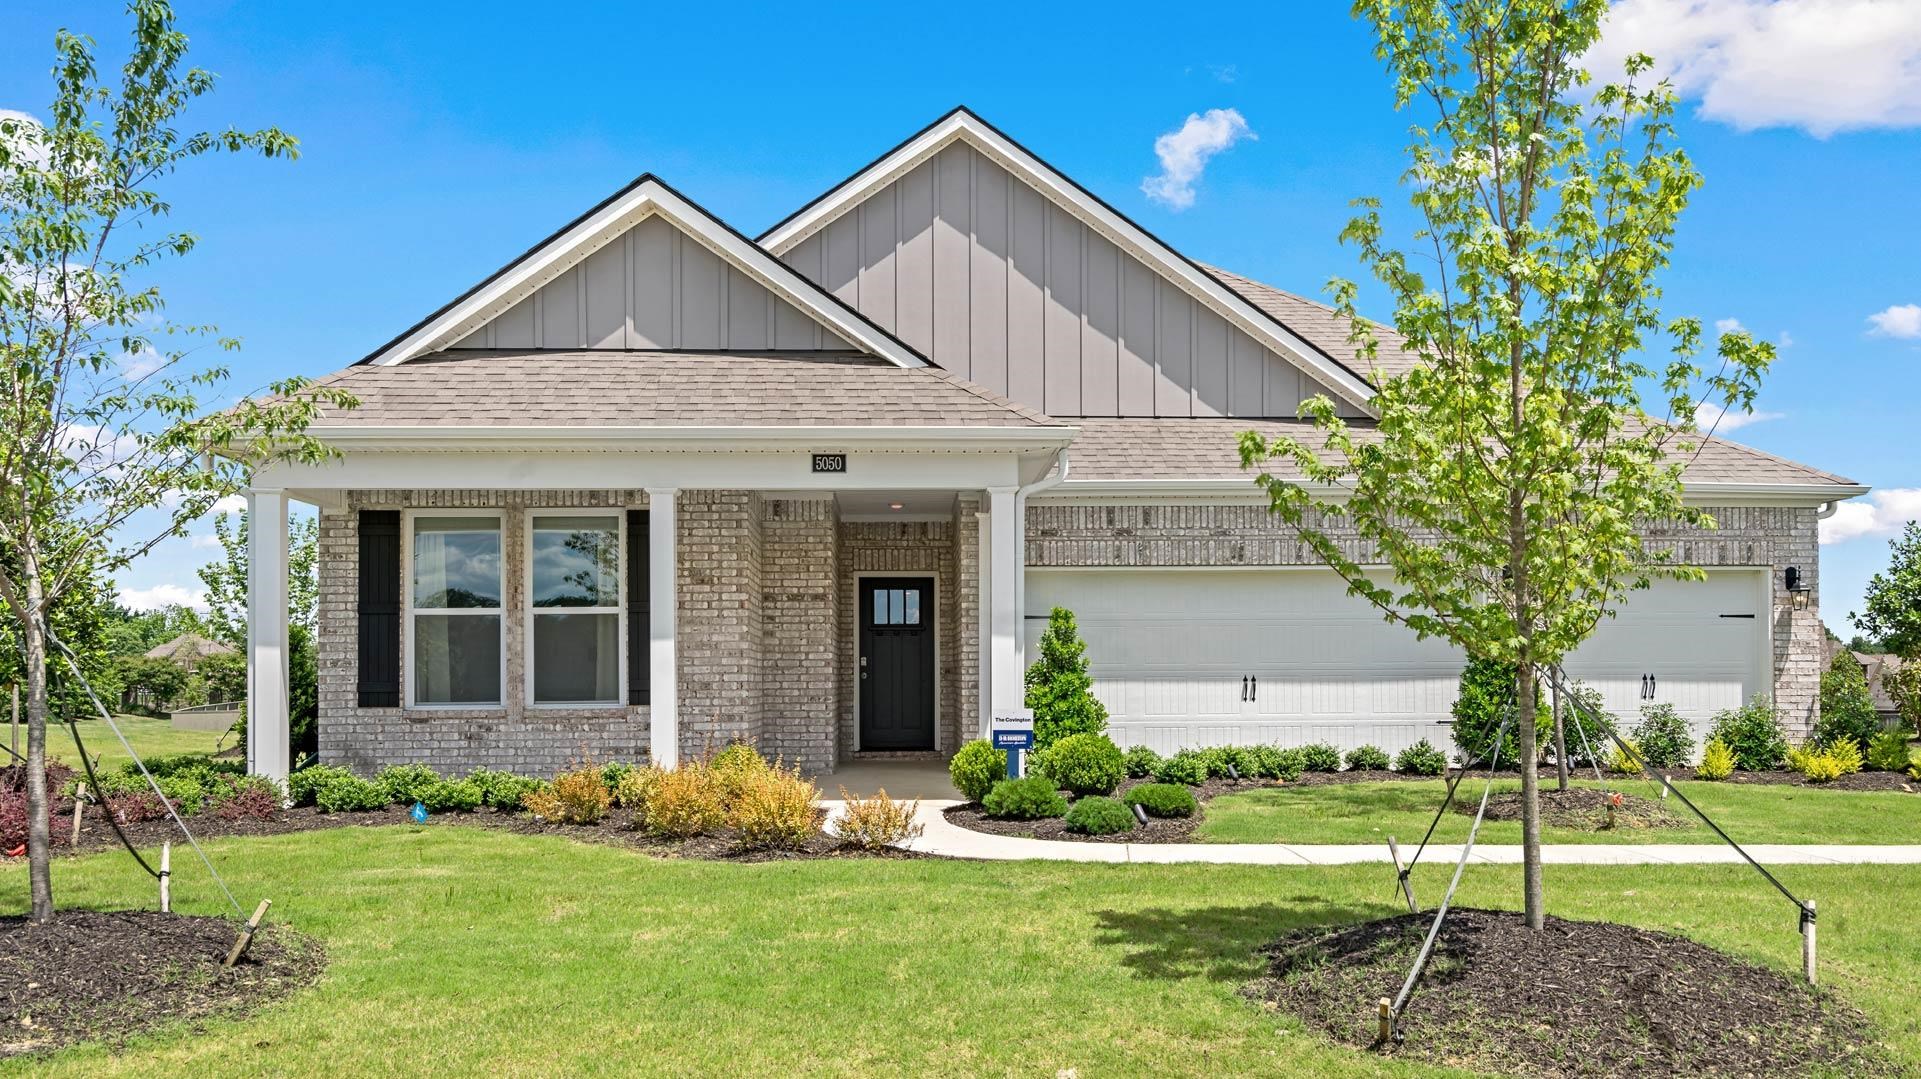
[(149, 737), (455, 950), (1370, 812)]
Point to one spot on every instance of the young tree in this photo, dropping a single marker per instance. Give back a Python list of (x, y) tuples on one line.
[(105, 449), (1894, 597), (1059, 689), (1507, 478)]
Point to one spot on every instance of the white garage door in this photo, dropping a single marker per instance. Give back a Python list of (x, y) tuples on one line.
[(1197, 657)]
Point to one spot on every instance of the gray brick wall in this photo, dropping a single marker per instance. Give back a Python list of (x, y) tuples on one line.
[(800, 631), (1075, 534), (718, 635)]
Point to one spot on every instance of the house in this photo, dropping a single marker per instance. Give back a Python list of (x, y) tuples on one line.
[(655, 485), (187, 650), (1875, 667)]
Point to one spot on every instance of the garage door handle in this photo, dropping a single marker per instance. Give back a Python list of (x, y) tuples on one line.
[(1243, 689), (1254, 688), (1644, 687), (1654, 686)]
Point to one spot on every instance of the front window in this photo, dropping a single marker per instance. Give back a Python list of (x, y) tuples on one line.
[(455, 603), (574, 592)]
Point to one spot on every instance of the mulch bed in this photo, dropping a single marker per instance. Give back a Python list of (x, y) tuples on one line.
[(620, 828), (90, 975), (1575, 999), (1858, 781), (1583, 808), (1156, 830)]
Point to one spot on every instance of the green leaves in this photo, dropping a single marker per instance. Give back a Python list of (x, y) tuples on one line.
[(1893, 613)]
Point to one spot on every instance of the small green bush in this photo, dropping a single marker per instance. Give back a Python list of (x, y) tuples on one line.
[(1622, 763), (1140, 762), (1272, 762), (405, 783), (1031, 798), (1321, 757), (1847, 706), (1216, 760), (1752, 733), (1099, 816), (1889, 752), (350, 794), (610, 775), (502, 790), (451, 796), (1188, 766), (1421, 759), (1083, 763), (1717, 761), (976, 768), (176, 763), (302, 785), (185, 790), (1163, 799), (1367, 759), (1663, 738)]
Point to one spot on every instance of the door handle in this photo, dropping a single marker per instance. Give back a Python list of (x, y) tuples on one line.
[(1654, 686), (1243, 689), (1254, 688), (1644, 687)]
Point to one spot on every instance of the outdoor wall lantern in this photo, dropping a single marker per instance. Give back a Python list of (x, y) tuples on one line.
[(1798, 590)]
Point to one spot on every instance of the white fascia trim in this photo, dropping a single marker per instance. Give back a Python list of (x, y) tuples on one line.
[(1700, 494), (704, 439), (573, 247), (1127, 236)]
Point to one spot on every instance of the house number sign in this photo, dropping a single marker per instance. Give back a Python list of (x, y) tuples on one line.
[(830, 462)]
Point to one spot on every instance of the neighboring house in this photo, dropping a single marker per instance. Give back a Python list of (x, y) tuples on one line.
[(187, 650), (654, 486), (1874, 666)]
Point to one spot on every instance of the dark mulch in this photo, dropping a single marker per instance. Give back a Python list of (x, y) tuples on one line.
[(1173, 830), (1859, 781), (1576, 999), (1583, 808), (91, 975), (621, 829)]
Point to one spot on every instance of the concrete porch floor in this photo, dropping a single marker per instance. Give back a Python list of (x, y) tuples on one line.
[(900, 779)]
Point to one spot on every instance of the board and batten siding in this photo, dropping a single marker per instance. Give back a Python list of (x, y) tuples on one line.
[(654, 287), (1002, 286)]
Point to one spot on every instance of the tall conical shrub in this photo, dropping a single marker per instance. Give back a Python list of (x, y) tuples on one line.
[(1058, 684)]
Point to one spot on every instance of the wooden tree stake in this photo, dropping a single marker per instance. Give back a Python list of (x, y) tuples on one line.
[(1807, 942), (79, 805), (166, 877), (1400, 874), (1386, 1032), (246, 934)]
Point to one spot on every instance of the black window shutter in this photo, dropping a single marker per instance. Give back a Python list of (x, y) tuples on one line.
[(379, 609), (639, 612)]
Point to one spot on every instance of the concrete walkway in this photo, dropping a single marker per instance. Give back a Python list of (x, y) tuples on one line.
[(948, 840)]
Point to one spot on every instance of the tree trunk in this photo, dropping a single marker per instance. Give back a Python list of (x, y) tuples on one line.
[(1532, 901), (1560, 731), (39, 838)]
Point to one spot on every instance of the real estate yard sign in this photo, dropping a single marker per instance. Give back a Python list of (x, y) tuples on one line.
[(1013, 731)]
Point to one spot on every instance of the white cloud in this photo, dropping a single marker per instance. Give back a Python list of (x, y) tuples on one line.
[(135, 366), (162, 595), (1728, 325), (1903, 320), (230, 504), (1882, 513), (1787, 339), (1713, 417), (1184, 153), (203, 542), (1820, 65)]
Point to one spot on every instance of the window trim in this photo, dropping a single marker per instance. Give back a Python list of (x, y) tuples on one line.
[(617, 514), (410, 637)]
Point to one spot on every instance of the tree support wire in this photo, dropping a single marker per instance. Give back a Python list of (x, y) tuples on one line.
[(1453, 783), (74, 665)]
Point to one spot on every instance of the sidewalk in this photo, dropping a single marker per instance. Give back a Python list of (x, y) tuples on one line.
[(947, 840)]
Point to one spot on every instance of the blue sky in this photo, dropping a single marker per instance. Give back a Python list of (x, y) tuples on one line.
[(439, 140)]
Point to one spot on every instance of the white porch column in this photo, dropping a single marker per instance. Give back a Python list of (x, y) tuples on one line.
[(267, 706), (1004, 567), (663, 565), (983, 527), (1020, 588)]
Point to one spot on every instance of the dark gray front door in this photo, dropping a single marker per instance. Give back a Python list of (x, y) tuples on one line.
[(896, 663)]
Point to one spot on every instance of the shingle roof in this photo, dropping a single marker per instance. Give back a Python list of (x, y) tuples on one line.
[(1208, 449), (1323, 327), (187, 648), (664, 389)]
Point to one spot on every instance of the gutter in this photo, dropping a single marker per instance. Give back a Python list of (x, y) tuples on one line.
[(1055, 477), (1238, 489), (708, 438)]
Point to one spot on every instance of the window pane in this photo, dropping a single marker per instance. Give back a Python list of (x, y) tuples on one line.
[(457, 659), (576, 562), (913, 606), (880, 606), (895, 603), (456, 562), (576, 657)]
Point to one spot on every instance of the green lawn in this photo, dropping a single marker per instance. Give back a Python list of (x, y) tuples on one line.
[(1370, 812), (457, 951), (150, 738)]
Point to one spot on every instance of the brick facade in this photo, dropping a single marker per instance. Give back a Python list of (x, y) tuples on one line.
[(800, 627)]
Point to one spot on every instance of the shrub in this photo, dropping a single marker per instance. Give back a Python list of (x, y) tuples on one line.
[(1321, 757), (1024, 799), (1889, 752), (1846, 755), (635, 785), (1140, 762), (1163, 799), (1818, 765), (1663, 738), (611, 773), (1752, 733), (504, 791), (576, 797), (1717, 761), (1586, 727), (350, 794), (734, 768), (1621, 763), (405, 783), (1059, 689), (185, 790), (685, 802), (452, 796), (1099, 816), (1188, 766), (1083, 764), (976, 768), (1215, 759), (1421, 759), (1367, 759), (1847, 707), (302, 785), (775, 810), (1272, 762), (13, 802), (873, 823), (176, 763), (1486, 697), (129, 808), (232, 797)]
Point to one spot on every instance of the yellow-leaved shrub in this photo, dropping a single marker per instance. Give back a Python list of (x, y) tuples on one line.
[(873, 823), (684, 802), (576, 797), (1717, 761), (774, 809)]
